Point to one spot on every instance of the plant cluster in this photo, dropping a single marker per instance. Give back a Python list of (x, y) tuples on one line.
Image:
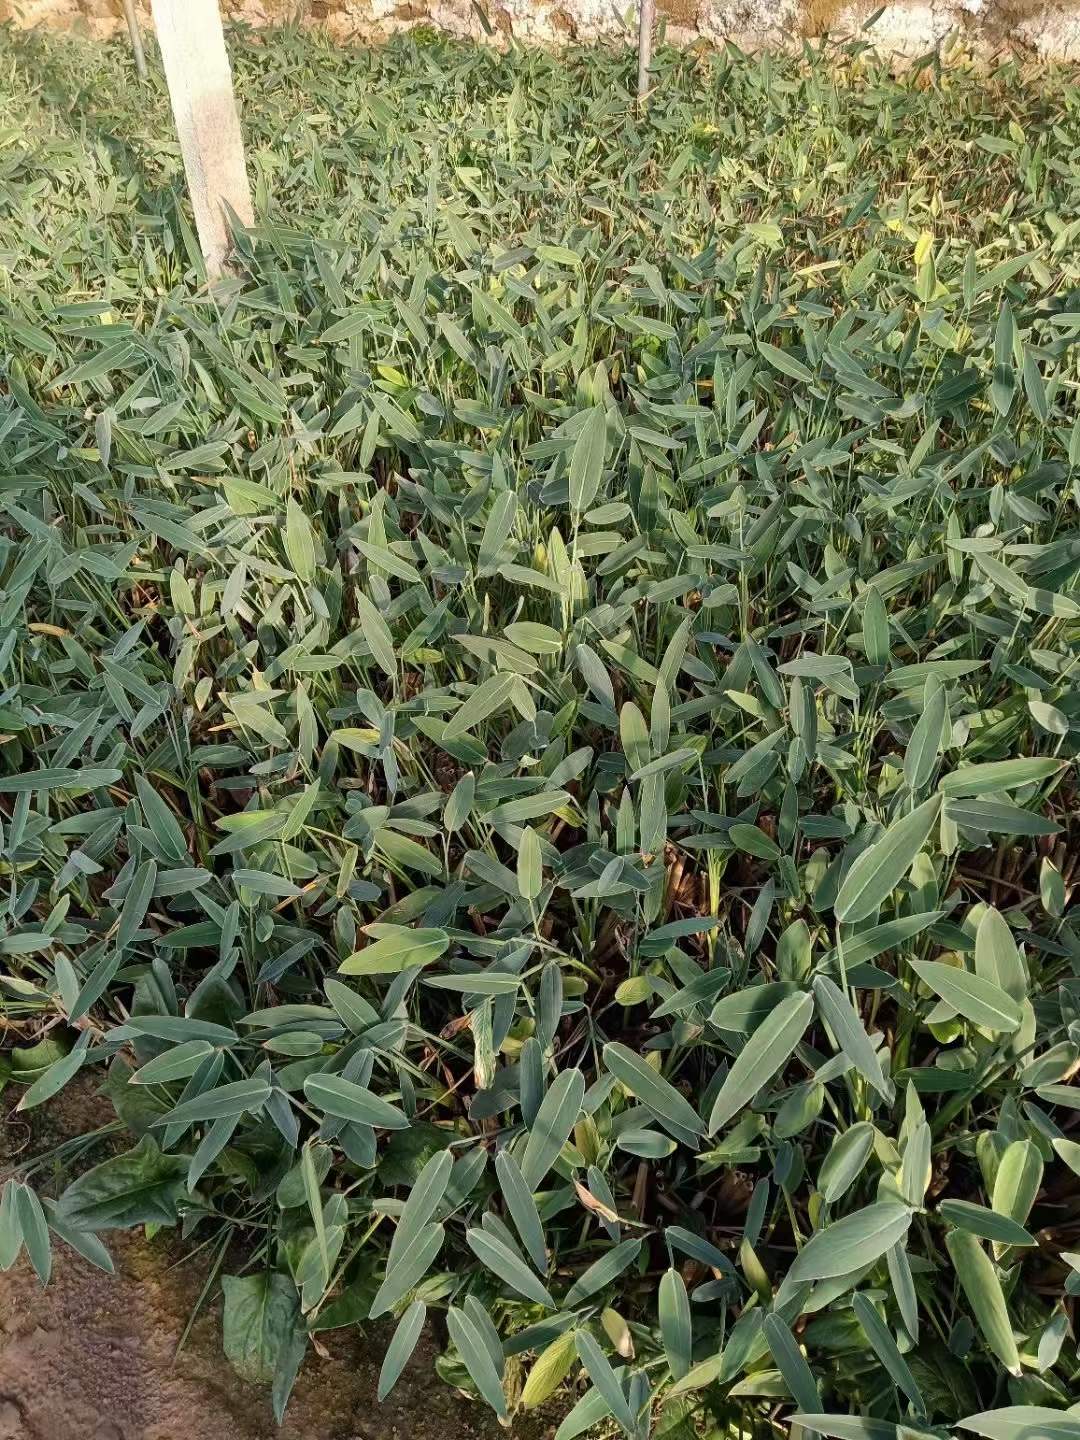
[(540, 721)]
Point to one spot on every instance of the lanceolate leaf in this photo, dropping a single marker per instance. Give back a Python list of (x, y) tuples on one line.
[(1024, 1422), (987, 1224), (650, 1088), (844, 1163), (551, 1129), (845, 1024), (502, 1261), (886, 1349), (792, 1365), (996, 956), (982, 1289), (335, 1095), (401, 1347), (405, 1270), (605, 1380), (220, 1103), (979, 1000), (760, 1059), (522, 1208), (550, 1369), (477, 1360), (587, 459), (603, 1271), (875, 873), (846, 1427), (1016, 1185), (849, 1243), (423, 1202), (999, 775), (675, 1323)]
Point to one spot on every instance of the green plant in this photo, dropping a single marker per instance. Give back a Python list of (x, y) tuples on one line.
[(540, 720)]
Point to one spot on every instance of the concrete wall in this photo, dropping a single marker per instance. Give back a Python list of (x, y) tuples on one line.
[(1048, 29)]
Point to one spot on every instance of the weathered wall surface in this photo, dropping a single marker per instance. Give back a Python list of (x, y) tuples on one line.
[(1048, 29)]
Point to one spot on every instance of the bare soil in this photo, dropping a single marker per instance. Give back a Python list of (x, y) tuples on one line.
[(97, 1357)]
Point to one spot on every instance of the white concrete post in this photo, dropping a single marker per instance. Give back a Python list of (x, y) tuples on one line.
[(200, 88), (646, 21)]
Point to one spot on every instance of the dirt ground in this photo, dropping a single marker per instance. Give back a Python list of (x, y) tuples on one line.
[(95, 1357)]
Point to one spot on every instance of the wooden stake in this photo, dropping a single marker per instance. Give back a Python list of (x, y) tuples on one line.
[(646, 21), (204, 108), (136, 38)]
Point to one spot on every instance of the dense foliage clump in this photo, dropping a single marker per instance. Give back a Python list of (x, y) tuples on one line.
[(540, 721)]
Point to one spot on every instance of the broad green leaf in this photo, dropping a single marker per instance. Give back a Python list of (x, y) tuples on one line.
[(260, 1314), (140, 1187)]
